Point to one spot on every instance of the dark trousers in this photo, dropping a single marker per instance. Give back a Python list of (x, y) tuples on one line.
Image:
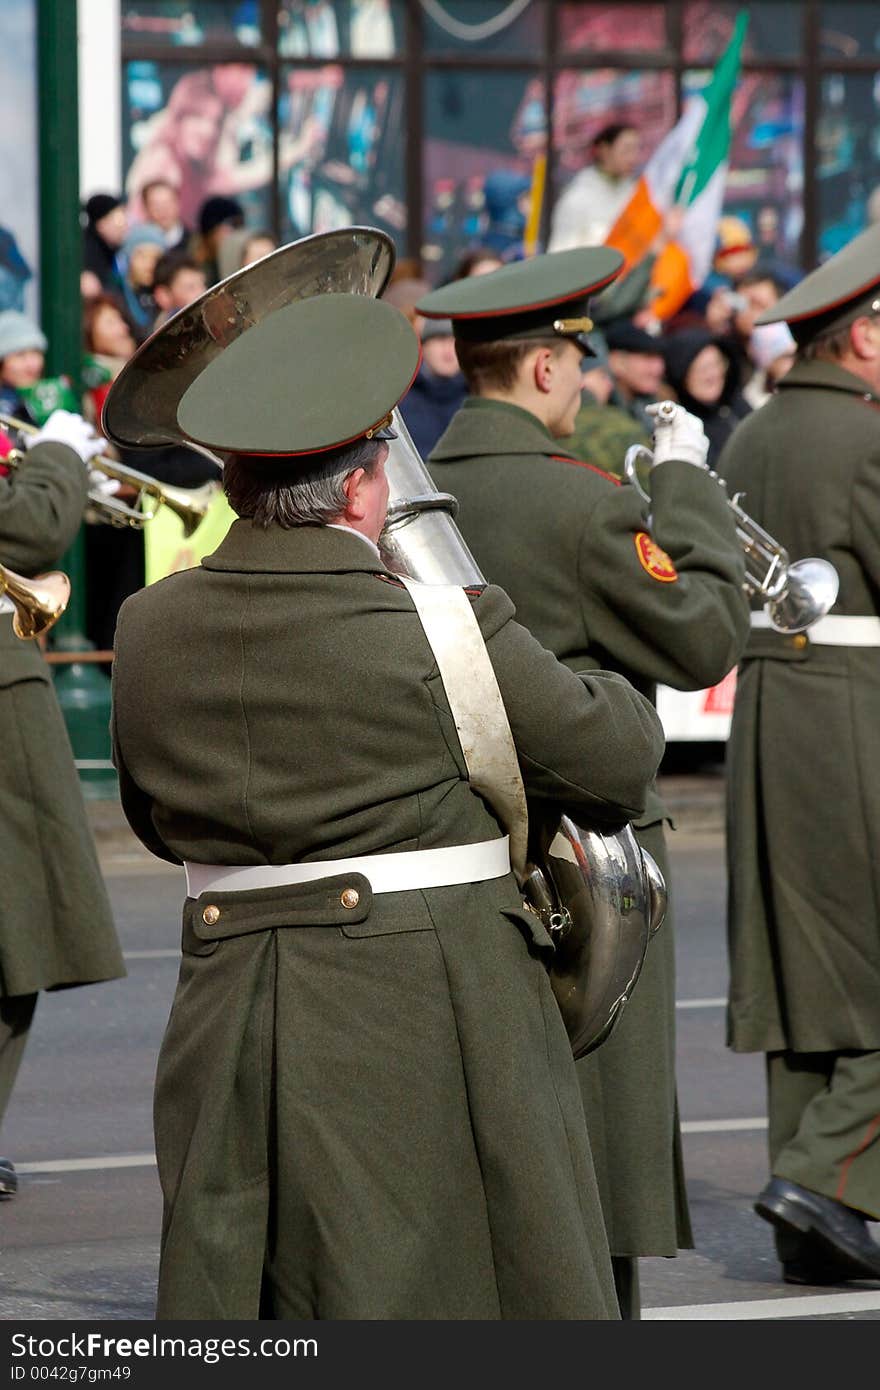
[(625, 1269), (824, 1124), (16, 1013)]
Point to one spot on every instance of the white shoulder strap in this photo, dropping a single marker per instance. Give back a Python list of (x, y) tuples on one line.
[(477, 708)]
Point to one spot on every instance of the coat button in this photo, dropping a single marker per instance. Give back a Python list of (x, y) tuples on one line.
[(211, 915), (350, 897), (800, 640)]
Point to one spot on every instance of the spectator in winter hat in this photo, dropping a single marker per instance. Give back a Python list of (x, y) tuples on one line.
[(106, 224), (22, 358)]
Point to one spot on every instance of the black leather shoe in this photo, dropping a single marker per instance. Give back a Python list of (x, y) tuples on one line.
[(8, 1180), (838, 1241)]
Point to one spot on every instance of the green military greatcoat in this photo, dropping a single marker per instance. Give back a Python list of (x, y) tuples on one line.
[(56, 927), (366, 1105), (804, 786), (570, 546)]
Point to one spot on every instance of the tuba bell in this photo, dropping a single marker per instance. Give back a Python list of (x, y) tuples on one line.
[(599, 895), (38, 602)]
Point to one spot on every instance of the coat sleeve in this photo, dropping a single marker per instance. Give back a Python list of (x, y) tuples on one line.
[(680, 617), (588, 741), (41, 508), (865, 514), (136, 805)]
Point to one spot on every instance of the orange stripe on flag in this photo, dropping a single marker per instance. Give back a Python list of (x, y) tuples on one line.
[(671, 276), (636, 227)]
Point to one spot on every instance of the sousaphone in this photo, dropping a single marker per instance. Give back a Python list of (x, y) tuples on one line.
[(600, 896)]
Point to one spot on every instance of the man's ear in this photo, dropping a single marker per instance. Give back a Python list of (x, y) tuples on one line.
[(354, 493), (162, 296), (864, 337), (542, 369)]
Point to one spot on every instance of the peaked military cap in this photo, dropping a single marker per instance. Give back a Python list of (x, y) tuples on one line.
[(316, 375), (841, 290), (543, 297)]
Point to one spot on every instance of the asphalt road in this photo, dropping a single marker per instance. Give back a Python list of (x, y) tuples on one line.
[(81, 1239)]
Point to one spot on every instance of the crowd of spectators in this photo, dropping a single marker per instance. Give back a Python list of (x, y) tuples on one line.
[(142, 262)]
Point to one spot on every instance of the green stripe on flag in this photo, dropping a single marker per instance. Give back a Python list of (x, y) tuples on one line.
[(713, 141)]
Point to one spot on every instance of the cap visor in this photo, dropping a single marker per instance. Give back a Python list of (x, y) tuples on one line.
[(385, 433)]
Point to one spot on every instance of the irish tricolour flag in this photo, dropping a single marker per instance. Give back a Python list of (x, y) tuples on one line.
[(687, 170)]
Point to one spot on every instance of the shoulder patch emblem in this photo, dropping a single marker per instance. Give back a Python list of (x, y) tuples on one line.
[(653, 559)]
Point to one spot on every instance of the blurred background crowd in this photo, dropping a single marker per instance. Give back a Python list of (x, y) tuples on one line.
[(142, 263), (473, 134)]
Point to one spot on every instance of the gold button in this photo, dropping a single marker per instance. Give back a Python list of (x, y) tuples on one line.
[(800, 640), (211, 915), (350, 897)]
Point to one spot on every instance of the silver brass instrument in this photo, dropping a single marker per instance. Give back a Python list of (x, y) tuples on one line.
[(600, 896), (38, 602), (795, 595), (189, 504)]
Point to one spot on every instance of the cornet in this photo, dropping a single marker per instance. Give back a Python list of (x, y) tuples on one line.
[(188, 504), (38, 602), (795, 595)]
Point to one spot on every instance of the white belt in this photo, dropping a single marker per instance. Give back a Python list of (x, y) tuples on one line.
[(835, 631), (388, 873), (6, 604)]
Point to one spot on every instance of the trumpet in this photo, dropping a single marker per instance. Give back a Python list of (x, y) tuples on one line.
[(38, 602), (190, 505), (795, 595)]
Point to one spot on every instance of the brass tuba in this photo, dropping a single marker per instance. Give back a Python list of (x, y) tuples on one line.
[(38, 602), (600, 896)]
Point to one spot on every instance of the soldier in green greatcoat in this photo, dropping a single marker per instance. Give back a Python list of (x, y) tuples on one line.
[(56, 927), (599, 584), (803, 804), (366, 1105)]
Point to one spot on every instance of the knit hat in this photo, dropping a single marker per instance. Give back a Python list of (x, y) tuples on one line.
[(734, 238), (217, 210), (770, 341), (18, 333), (144, 234), (625, 336), (100, 204)]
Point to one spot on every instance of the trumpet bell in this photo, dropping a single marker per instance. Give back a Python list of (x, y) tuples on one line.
[(810, 592), (38, 602), (189, 504)]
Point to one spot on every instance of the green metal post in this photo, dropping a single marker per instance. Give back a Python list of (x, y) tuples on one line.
[(83, 689)]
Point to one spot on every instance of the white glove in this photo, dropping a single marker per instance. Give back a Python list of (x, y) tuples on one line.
[(64, 427), (99, 482), (678, 434)]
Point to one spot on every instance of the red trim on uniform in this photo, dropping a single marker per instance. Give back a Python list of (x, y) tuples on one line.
[(869, 1136), (594, 468), (835, 304), (520, 308), (301, 453)]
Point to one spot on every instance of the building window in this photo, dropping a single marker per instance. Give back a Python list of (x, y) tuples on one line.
[(429, 118)]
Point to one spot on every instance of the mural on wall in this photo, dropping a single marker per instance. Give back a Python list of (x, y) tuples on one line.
[(207, 130), (19, 219), (347, 127)]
